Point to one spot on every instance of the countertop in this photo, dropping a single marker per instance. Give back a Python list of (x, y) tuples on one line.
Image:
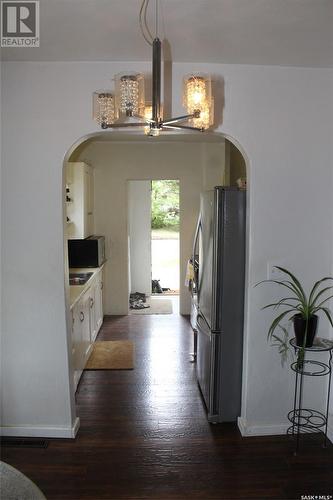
[(76, 291)]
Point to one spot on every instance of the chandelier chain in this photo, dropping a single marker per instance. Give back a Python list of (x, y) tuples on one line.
[(146, 33), (146, 23), (156, 18)]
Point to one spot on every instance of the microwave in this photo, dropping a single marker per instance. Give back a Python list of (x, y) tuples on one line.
[(89, 252)]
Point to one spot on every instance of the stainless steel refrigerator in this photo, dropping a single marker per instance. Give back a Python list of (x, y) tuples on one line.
[(218, 300)]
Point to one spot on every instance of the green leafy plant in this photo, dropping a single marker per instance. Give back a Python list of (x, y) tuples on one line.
[(165, 204), (282, 343), (297, 301)]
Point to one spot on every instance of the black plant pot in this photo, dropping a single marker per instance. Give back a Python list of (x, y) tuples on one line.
[(300, 327)]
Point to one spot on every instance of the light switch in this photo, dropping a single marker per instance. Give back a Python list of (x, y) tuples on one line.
[(273, 273)]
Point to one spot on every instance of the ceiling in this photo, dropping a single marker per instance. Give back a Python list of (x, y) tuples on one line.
[(268, 32)]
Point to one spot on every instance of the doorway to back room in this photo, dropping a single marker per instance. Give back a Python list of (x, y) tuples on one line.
[(165, 237), (154, 223)]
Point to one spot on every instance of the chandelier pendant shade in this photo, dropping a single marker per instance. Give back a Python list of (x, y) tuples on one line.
[(127, 104), (104, 107), (130, 94)]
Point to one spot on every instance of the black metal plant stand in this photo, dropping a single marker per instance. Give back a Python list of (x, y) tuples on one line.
[(306, 420)]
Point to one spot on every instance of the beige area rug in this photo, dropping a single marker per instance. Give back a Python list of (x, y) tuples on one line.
[(15, 485), (111, 355), (157, 306)]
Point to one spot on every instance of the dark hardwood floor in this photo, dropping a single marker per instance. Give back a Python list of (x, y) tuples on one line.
[(144, 434)]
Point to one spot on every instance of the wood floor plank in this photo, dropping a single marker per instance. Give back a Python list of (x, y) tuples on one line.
[(144, 435)]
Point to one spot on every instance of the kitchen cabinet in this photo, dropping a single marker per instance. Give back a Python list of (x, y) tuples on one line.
[(76, 345), (81, 344), (85, 323), (87, 319), (80, 207), (96, 305)]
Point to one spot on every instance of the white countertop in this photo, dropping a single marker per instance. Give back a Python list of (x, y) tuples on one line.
[(76, 291)]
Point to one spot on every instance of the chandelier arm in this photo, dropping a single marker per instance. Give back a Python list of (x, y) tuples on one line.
[(179, 119), (122, 125), (183, 127)]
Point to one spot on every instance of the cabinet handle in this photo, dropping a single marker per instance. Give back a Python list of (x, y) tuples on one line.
[(101, 285), (81, 316), (91, 302)]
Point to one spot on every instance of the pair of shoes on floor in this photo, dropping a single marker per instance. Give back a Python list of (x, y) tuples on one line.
[(138, 296), (138, 304)]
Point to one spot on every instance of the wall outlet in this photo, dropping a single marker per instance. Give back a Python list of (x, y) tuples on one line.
[(273, 273)]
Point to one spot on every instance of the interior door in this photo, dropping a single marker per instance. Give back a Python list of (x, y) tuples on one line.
[(139, 233)]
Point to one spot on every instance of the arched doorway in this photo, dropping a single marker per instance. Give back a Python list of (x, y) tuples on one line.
[(199, 161)]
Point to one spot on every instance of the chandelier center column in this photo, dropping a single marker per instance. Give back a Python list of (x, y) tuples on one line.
[(156, 83)]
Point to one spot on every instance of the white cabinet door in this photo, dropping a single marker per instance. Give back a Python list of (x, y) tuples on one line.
[(99, 301), (85, 324), (77, 347), (92, 313), (96, 305)]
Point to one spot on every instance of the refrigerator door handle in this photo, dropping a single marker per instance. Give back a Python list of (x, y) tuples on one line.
[(194, 262), (196, 236)]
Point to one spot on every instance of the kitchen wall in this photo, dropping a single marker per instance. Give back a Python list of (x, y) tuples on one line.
[(198, 166), (237, 165), (283, 119)]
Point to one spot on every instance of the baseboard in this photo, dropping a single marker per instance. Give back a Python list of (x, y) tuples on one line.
[(75, 427), (247, 429), (45, 432)]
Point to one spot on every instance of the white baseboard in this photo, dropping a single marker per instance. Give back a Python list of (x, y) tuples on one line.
[(41, 431), (247, 429), (75, 427)]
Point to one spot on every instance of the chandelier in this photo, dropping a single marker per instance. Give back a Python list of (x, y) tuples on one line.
[(126, 106)]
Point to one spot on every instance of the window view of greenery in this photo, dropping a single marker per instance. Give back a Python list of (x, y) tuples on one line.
[(165, 205)]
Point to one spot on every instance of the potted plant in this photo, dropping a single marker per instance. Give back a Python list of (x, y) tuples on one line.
[(300, 308)]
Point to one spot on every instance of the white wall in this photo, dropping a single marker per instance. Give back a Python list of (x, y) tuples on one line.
[(139, 234), (237, 163), (1, 337), (283, 119), (198, 166)]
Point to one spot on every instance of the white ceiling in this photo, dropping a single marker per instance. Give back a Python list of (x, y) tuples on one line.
[(274, 32)]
